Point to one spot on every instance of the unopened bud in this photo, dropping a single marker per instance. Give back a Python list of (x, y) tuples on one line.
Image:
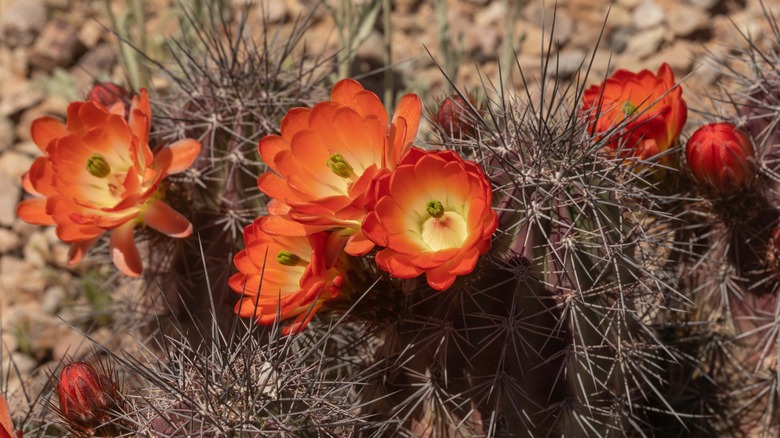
[(455, 117), (721, 158), (86, 397), (109, 95)]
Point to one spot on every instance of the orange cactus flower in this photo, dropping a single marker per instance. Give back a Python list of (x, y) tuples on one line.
[(98, 174), (652, 103), (285, 276), (433, 214), (325, 158)]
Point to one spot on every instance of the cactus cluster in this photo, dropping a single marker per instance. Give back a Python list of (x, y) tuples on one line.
[(630, 288)]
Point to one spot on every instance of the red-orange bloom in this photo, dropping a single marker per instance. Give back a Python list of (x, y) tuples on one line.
[(652, 103), (433, 214), (721, 157), (285, 277), (325, 158), (98, 174)]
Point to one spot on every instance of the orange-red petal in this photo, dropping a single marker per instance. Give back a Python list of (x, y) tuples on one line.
[(124, 252), (166, 220)]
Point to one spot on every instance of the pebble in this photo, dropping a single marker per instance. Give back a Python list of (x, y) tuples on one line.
[(685, 20), (36, 249), (648, 14), (57, 46), (21, 22), (704, 4), (9, 241), (18, 94), (10, 195), (7, 133), (19, 279), (18, 364), (14, 164), (53, 298), (90, 33), (645, 43), (569, 62)]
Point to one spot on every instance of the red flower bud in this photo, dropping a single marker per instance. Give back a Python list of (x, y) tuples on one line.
[(86, 396), (721, 157), (109, 95), (455, 117)]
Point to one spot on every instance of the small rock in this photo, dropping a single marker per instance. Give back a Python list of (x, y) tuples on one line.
[(372, 49), (36, 250), (14, 164), (18, 363), (645, 43), (75, 346), (90, 33), (704, 4), (9, 197), (678, 55), (16, 94), (7, 133), (490, 16), (19, 279), (53, 299), (648, 15), (57, 46), (21, 21), (489, 42), (9, 241), (28, 148), (38, 332), (619, 38), (14, 63), (685, 20), (275, 12), (629, 4), (8, 343), (60, 254), (569, 62)]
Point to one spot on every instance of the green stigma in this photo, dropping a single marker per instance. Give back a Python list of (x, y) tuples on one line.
[(629, 109), (98, 166), (287, 258), (435, 209), (340, 166)]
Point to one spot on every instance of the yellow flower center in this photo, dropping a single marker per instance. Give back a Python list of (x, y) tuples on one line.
[(629, 109), (434, 208), (97, 166), (340, 166), (287, 258), (448, 230)]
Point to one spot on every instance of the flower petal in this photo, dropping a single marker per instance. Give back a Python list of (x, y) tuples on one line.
[(46, 129), (166, 220), (33, 211), (124, 252), (78, 250), (177, 157)]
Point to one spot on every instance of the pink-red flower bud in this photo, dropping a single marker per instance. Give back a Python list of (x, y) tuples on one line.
[(86, 396), (109, 95), (455, 117), (721, 158)]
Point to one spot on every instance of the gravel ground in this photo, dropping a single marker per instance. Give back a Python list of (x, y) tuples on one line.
[(51, 51)]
